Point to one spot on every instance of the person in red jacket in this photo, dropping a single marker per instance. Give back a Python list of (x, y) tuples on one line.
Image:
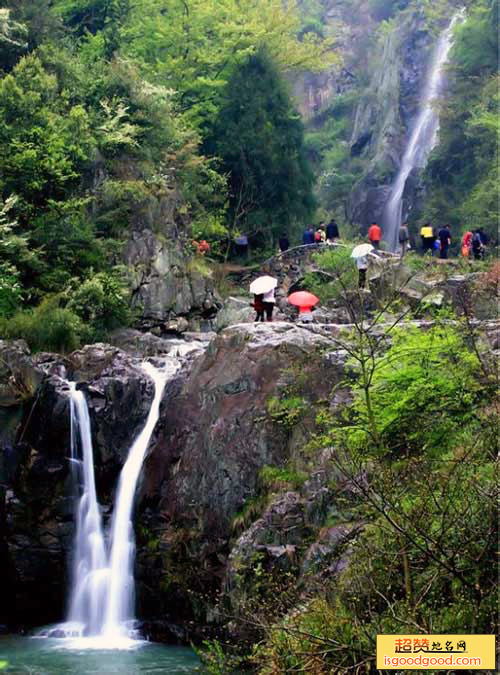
[(375, 235)]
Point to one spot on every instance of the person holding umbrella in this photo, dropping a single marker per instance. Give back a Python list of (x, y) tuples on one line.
[(264, 287), (360, 254)]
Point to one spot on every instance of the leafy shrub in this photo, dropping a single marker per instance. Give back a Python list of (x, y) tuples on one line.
[(102, 302), (10, 289), (428, 376), (47, 327), (341, 274)]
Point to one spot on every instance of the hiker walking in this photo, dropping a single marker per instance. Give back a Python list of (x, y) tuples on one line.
[(258, 305), (269, 301), (332, 232), (308, 236), (283, 243), (319, 235), (375, 235), (444, 236), (403, 237), (427, 236), (477, 245), (467, 244)]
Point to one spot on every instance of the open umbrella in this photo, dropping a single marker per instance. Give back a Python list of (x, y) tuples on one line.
[(303, 300), (263, 285), (361, 250)]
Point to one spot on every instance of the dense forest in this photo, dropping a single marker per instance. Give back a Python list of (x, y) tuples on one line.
[(106, 105)]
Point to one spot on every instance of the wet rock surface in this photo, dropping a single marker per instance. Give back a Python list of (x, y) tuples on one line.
[(36, 496)]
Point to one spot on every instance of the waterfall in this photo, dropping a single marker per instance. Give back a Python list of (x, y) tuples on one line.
[(89, 567), (101, 606), (423, 137), (119, 606)]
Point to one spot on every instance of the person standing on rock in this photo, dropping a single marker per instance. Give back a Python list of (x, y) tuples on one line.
[(466, 244), (258, 305), (308, 236), (444, 236), (319, 235), (332, 232), (375, 235), (427, 236), (269, 301), (362, 265), (403, 237)]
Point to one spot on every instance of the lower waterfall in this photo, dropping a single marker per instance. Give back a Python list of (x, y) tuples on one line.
[(101, 605)]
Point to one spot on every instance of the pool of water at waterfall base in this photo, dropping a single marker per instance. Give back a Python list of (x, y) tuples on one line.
[(83, 656)]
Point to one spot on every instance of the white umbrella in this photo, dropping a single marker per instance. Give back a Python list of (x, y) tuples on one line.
[(263, 285), (361, 250)]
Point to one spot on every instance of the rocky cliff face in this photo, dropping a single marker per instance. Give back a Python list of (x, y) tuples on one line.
[(232, 490), (383, 70), (385, 113)]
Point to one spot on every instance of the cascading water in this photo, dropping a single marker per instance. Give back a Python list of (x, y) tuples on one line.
[(89, 567), (423, 137), (102, 593), (119, 606)]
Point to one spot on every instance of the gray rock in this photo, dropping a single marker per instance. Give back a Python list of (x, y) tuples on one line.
[(234, 311)]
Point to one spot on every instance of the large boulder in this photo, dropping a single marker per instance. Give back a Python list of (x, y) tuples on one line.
[(224, 421)]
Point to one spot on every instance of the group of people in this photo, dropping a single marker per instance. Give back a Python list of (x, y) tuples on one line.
[(328, 234), (439, 241), (474, 244)]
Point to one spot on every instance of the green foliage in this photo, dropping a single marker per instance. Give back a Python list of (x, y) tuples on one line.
[(48, 327), (424, 561), (341, 274), (462, 171), (287, 411), (432, 371), (102, 302), (281, 479), (259, 137), (13, 39)]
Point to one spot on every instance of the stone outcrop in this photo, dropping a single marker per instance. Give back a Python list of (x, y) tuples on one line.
[(226, 420), (167, 285)]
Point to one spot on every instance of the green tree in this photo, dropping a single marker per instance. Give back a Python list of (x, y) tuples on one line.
[(259, 137)]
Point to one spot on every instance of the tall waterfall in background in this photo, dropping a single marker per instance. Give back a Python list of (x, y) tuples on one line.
[(423, 137), (102, 593)]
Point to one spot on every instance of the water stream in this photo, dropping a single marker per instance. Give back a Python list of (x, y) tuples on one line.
[(423, 137)]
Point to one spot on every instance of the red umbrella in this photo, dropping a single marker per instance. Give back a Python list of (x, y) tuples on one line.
[(303, 300)]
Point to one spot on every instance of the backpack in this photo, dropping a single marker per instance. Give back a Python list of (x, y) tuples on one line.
[(317, 236), (476, 241)]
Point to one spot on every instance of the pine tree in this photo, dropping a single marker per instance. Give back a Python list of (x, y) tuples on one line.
[(259, 137)]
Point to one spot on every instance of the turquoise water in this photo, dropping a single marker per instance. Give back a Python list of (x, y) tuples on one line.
[(46, 656)]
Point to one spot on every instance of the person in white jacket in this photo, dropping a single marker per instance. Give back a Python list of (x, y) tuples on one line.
[(269, 301)]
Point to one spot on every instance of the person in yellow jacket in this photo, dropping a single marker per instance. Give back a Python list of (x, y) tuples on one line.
[(427, 236)]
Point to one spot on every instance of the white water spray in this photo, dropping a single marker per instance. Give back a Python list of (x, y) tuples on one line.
[(102, 593), (89, 567), (423, 137), (119, 606)]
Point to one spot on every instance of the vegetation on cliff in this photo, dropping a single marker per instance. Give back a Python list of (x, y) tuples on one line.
[(462, 173), (108, 106)]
